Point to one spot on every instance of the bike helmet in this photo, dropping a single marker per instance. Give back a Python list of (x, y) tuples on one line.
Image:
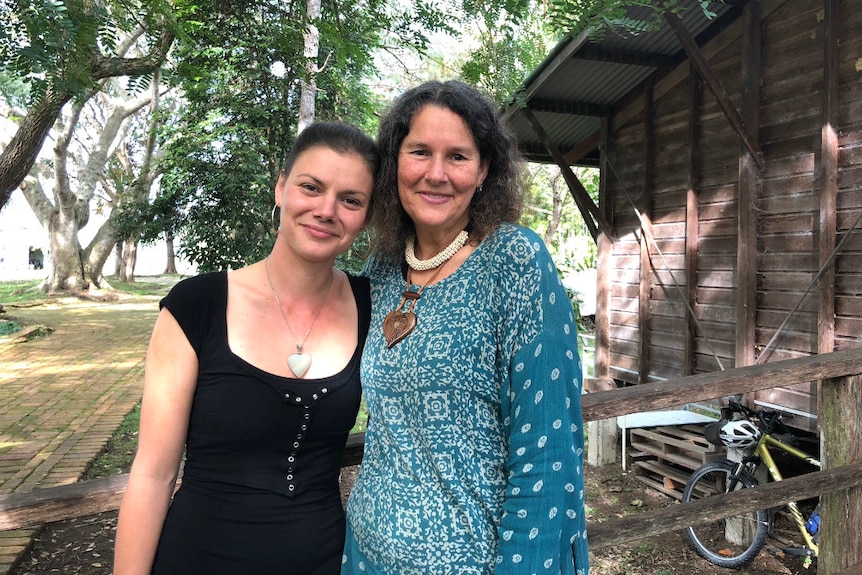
[(740, 434)]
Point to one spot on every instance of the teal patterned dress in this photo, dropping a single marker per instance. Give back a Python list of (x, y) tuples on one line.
[(474, 453)]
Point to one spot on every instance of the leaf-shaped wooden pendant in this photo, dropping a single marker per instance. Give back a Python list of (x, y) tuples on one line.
[(397, 325)]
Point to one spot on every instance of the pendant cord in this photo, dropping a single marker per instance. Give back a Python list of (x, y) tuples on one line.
[(423, 286), (281, 308)]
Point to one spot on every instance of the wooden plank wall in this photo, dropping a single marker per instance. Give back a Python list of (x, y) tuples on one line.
[(785, 206)]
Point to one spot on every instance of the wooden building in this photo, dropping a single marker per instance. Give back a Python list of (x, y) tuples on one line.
[(728, 222)]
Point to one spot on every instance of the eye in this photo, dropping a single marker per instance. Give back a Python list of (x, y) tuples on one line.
[(353, 202), (309, 188), (459, 157)]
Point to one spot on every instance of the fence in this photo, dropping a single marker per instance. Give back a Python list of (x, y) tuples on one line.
[(839, 484)]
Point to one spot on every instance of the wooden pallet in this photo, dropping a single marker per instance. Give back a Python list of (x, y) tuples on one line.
[(664, 457), (682, 445), (668, 479)]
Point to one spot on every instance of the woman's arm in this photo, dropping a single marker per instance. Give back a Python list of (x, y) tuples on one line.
[(543, 513), (169, 385)]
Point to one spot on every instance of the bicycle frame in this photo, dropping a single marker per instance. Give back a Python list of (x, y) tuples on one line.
[(762, 451)]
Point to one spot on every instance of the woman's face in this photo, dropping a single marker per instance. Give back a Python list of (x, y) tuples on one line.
[(439, 169), (324, 202)]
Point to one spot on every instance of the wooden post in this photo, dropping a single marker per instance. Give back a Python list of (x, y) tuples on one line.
[(840, 510), (603, 436)]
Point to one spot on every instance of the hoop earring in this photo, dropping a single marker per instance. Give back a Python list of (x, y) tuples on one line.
[(274, 220)]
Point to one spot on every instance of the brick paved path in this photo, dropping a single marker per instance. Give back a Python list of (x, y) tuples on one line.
[(63, 395)]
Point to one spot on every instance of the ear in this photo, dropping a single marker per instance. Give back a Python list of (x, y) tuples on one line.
[(483, 172)]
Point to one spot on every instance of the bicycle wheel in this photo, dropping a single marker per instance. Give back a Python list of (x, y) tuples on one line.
[(730, 542)]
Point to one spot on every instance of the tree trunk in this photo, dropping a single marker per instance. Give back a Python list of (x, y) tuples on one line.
[(130, 258), (18, 157), (67, 271), (557, 210), (118, 258), (308, 92), (97, 253), (171, 266)]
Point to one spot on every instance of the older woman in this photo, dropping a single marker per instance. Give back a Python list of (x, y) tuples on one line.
[(471, 374)]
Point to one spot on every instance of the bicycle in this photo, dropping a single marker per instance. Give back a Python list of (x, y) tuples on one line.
[(735, 541)]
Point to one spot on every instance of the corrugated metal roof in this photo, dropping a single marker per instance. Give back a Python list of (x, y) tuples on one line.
[(581, 81)]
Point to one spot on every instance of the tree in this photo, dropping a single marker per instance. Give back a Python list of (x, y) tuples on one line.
[(60, 191), (68, 62), (243, 72)]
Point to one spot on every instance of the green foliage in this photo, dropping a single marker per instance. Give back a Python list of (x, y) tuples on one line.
[(600, 17), (240, 119), (572, 245), (8, 327), (353, 260), (513, 39), (50, 44)]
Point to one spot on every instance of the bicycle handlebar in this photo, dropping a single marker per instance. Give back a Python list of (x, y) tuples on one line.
[(767, 417)]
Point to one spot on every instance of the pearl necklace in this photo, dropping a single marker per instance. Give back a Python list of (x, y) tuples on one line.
[(299, 361), (439, 259)]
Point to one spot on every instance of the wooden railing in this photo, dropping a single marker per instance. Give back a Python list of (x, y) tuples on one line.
[(839, 484)]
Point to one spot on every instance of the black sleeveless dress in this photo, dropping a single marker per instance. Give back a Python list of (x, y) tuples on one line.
[(260, 492)]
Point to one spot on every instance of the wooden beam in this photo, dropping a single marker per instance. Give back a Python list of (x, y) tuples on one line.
[(692, 203), (588, 209), (828, 179), (604, 271), (645, 267), (715, 384), (748, 191), (716, 87), (569, 108), (574, 155), (621, 56), (840, 429), (537, 81), (707, 510)]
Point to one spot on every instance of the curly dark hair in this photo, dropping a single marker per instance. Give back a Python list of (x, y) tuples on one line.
[(501, 196)]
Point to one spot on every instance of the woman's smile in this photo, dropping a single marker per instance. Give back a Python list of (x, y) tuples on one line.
[(439, 169)]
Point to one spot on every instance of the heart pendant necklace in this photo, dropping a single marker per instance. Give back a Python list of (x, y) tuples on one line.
[(299, 361)]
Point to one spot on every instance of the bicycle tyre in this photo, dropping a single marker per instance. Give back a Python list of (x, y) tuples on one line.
[(710, 540)]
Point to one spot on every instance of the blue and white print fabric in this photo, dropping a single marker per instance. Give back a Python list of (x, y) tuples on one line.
[(474, 452)]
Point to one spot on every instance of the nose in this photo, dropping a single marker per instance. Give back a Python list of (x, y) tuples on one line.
[(436, 172), (325, 209)]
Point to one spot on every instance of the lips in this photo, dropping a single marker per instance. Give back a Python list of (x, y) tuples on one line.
[(320, 233), (435, 198)]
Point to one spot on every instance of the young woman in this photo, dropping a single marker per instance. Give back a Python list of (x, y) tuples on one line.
[(254, 373)]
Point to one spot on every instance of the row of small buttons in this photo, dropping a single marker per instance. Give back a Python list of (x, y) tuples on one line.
[(291, 486)]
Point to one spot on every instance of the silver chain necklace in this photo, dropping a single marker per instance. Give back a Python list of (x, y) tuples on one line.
[(299, 361)]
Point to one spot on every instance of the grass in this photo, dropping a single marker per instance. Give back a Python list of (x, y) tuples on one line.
[(145, 285), (26, 291), (117, 455), (20, 291)]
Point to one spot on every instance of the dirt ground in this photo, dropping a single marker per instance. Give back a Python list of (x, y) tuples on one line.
[(85, 546)]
